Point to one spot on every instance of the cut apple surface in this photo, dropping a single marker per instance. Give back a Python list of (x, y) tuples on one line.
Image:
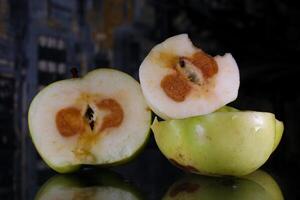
[(221, 143), (100, 119), (179, 80)]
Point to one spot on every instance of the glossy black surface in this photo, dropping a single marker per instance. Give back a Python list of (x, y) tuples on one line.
[(152, 175)]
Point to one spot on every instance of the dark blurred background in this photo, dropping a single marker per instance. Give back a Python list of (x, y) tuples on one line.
[(41, 40)]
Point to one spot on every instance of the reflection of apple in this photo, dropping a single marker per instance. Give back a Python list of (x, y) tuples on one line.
[(267, 182), (100, 119), (195, 187), (180, 80), (87, 186), (227, 142)]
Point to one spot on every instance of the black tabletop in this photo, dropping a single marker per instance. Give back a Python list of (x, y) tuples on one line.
[(150, 176)]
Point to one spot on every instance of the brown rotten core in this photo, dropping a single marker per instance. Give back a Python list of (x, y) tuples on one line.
[(177, 86), (115, 118), (69, 121)]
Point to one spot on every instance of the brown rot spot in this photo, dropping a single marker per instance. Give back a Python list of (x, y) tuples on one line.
[(69, 121), (205, 63), (184, 187), (175, 86), (186, 73), (116, 115), (187, 168)]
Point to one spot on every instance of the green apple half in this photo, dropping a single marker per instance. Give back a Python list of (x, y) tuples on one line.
[(260, 186), (100, 119), (180, 80), (87, 186), (226, 142)]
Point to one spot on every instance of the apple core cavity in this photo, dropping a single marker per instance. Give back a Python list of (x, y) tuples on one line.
[(196, 70), (70, 122)]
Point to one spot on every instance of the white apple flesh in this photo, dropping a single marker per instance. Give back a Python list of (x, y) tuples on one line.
[(179, 80), (100, 119)]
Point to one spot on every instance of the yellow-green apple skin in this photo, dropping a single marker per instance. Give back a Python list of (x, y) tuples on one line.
[(99, 184), (232, 143), (259, 186), (279, 131)]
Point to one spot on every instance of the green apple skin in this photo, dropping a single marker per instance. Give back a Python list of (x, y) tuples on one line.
[(278, 124), (258, 185), (89, 179), (220, 143), (279, 131), (72, 168), (227, 109)]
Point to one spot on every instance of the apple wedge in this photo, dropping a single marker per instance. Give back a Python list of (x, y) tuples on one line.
[(100, 119), (180, 80), (221, 143), (88, 185), (191, 187)]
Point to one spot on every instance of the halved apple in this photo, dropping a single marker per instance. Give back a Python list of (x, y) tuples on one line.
[(221, 143), (259, 186), (179, 80), (100, 119), (88, 185)]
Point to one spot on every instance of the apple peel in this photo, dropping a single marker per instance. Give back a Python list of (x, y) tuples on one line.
[(221, 143)]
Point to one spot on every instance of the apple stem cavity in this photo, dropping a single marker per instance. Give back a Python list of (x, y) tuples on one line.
[(74, 72)]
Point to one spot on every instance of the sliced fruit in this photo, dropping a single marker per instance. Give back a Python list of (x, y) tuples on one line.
[(179, 80), (100, 119), (221, 143), (194, 187), (88, 185)]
